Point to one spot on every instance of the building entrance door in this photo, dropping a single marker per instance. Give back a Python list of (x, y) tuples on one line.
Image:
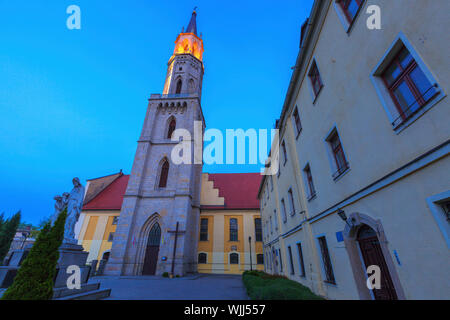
[(151, 253), (373, 255)]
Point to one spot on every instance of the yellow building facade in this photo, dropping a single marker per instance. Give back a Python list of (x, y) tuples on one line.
[(230, 235)]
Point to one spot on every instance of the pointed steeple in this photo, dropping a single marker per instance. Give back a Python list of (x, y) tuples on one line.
[(192, 27), (188, 41)]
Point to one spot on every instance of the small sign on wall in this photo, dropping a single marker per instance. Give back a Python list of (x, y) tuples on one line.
[(233, 248), (339, 236)]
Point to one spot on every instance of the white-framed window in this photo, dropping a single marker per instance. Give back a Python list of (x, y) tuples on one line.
[(327, 265), (315, 80), (301, 260), (309, 183), (439, 205), (276, 219), (291, 260), (404, 84), (266, 230), (271, 225), (283, 210), (291, 202), (336, 155), (348, 11), (283, 148), (297, 122)]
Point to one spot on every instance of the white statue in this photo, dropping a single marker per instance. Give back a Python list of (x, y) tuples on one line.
[(74, 206), (60, 205)]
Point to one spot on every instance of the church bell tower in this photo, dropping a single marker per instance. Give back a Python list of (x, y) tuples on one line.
[(158, 225)]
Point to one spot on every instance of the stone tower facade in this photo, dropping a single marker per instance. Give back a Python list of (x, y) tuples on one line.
[(160, 193)]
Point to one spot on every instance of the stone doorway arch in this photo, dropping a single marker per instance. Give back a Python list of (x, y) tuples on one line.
[(352, 237), (152, 250)]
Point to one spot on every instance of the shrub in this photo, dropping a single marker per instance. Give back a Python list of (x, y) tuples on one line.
[(35, 278), (165, 274), (263, 286)]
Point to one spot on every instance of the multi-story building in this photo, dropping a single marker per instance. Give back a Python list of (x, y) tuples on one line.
[(364, 175)]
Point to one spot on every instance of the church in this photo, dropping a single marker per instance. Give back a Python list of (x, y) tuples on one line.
[(173, 218)]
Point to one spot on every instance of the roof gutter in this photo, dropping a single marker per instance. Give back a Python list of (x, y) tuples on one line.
[(317, 5)]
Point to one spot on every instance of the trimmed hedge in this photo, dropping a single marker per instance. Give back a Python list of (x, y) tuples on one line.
[(263, 286), (35, 278)]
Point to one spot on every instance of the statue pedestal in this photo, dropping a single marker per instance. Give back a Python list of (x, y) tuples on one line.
[(71, 254)]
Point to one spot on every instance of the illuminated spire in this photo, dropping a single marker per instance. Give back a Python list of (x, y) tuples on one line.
[(192, 26), (188, 42)]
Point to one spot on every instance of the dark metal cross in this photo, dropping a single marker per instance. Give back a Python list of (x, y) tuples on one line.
[(176, 232)]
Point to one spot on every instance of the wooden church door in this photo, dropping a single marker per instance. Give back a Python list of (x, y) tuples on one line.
[(373, 255), (152, 250)]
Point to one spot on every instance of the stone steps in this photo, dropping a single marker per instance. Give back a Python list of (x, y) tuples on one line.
[(64, 292), (88, 295)]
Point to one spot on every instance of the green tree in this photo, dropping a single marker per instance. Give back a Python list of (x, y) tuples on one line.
[(2, 220), (35, 278), (7, 233)]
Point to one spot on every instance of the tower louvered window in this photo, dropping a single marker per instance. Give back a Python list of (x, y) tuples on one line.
[(172, 127), (164, 175)]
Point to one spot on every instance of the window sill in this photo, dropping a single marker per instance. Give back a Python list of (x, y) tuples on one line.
[(311, 197), (317, 95), (419, 112), (330, 283), (341, 174)]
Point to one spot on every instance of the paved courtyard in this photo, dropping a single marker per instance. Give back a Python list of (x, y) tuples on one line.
[(198, 287)]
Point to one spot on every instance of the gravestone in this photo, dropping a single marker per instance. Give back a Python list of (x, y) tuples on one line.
[(101, 267), (93, 268)]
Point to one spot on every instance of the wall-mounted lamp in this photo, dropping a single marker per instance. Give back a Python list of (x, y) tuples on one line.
[(343, 216)]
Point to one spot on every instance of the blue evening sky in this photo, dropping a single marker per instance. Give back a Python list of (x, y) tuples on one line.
[(72, 102)]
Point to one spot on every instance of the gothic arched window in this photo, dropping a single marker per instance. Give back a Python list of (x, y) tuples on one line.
[(172, 127), (233, 229), (191, 85), (164, 174), (179, 85)]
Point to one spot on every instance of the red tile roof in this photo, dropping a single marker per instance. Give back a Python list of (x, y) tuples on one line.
[(111, 197), (240, 190)]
